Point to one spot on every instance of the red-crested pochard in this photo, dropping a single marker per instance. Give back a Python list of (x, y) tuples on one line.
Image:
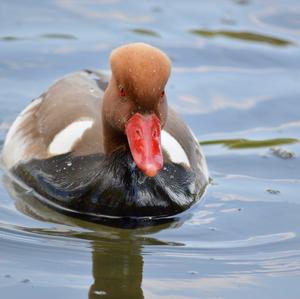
[(112, 149)]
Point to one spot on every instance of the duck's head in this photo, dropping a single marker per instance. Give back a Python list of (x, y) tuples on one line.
[(135, 102)]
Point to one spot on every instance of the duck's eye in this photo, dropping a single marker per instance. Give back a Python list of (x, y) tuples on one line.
[(162, 94), (122, 92)]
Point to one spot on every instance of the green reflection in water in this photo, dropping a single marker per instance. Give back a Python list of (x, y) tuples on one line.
[(43, 36), (242, 2), (242, 35), (58, 36), (245, 143), (145, 32), (11, 38)]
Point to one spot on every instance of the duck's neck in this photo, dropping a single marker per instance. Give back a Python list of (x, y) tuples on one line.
[(113, 139)]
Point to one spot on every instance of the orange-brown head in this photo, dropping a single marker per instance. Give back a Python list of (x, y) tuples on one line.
[(135, 102)]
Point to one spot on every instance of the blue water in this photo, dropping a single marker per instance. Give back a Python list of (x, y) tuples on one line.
[(235, 76)]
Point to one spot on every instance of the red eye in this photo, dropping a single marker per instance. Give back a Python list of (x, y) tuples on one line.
[(162, 94), (122, 92)]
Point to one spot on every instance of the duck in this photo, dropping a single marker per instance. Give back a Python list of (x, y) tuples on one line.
[(109, 146)]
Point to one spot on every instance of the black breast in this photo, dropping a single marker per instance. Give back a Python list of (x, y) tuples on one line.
[(110, 185)]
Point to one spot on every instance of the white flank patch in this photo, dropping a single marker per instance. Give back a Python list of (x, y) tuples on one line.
[(15, 143), (174, 149), (64, 140)]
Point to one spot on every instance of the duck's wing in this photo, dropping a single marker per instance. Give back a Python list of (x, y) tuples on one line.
[(57, 121)]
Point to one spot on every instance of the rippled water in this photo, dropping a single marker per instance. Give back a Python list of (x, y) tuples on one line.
[(236, 82)]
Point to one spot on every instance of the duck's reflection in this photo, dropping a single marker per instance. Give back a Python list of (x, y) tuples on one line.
[(117, 261), (118, 273)]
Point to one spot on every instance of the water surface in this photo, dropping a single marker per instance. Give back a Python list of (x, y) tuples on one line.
[(235, 81)]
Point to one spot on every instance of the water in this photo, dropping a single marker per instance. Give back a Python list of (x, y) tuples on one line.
[(235, 77)]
